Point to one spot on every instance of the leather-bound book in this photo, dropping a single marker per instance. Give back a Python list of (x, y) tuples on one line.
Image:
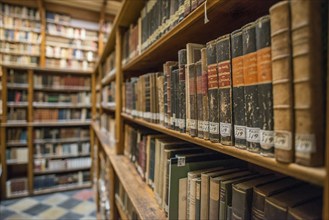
[(181, 90), (282, 82), (309, 33), (223, 49), (166, 72), (205, 103), (213, 98), (193, 101), (198, 70), (309, 210)]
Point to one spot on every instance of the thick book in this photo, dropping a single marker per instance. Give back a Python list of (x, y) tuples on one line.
[(251, 86), (282, 82), (277, 206), (265, 97), (238, 90), (309, 35), (223, 49), (181, 90), (199, 96), (213, 98), (205, 103), (309, 210), (193, 100)]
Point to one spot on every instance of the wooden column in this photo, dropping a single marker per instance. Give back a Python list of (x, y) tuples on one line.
[(93, 95), (30, 131), (113, 210), (42, 12), (101, 23), (3, 134)]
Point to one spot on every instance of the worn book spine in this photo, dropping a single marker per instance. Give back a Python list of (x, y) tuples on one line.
[(223, 49), (197, 198), (309, 32), (213, 92), (282, 82), (169, 113), (265, 98), (165, 99), (178, 101), (205, 103), (251, 87), (193, 101), (238, 90), (213, 199), (198, 69), (173, 97), (181, 91)]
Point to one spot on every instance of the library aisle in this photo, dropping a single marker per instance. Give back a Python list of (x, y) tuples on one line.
[(70, 205)]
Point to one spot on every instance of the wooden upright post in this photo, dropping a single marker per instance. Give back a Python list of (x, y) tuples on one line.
[(30, 132), (101, 23), (42, 33)]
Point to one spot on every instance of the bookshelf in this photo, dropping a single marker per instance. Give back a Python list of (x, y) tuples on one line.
[(232, 15)]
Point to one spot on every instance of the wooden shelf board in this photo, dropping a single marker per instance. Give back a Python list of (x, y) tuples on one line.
[(57, 105), (140, 194), (60, 171), (62, 188), (14, 124), (71, 58), (16, 144), (108, 108), (193, 30), (60, 123), (61, 156), (62, 89), (49, 69), (308, 174), (108, 78), (60, 140)]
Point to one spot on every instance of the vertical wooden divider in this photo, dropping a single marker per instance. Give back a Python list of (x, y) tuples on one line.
[(100, 70), (30, 131), (3, 134), (100, 32), (113, 209), (42, 33)]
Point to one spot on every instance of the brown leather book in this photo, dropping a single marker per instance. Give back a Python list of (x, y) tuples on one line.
[(282, 82), (181, 90), (307, 33), (309, 210), (276, 206)]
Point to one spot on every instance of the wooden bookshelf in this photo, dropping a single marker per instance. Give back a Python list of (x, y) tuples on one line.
[(122, 214)]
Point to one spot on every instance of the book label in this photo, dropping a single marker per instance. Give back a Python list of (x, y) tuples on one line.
[(224, 74), (225, 129), (250, 73), (282, 140), (266, 139), (237, 66), (181, 123), (212, 76), (198, 191), (206, 126), (222, 194), (213, 127), (180, 161), (161, 117), (171, 121), (200, 125), (133, 112), (253, 134), (305, 143), (264, 65), (193, 124), (240, 132)]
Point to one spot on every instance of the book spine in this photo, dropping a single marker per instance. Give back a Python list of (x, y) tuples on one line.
[(182, 107), (251, 87), (169, 114), (265, 98), (198, 69), (197, 199), (165, 98), (177, 100), (193, 101), (282, 82), (213, 92), (308, 31), (205, 104), (172, 98), (238, 90), (225, 89), (213, 199)]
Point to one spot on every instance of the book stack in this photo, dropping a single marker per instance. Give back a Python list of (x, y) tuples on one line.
[(16, 187), (43, 98), (231, 90), (104, 187), (130, 47), (108, 94)]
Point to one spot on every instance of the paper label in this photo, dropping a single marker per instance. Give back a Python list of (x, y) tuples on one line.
[(206, 126), (193, 124), (253, 135), (198, 191), (282, 140), (180, 161), (213, 128), (181, 123), (240, 132), (266, 139), (200, 125), (133, 112), (161, 117), (225, 129), (305, 143)]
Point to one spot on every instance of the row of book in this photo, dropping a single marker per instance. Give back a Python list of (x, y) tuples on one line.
[(238, 90), (70, 32), (60, 114), (108, 93), (16, 76), (17, 155), (69, 53), (43, 164), (190, 182), (18, 23), (17, 96), (71, 43), (19, 49), (61, 180), (16, 114), (22, 12), (60, 133), (17, 35), (18, 135), (107, 124), (42, 80), (78, 98), (16, 187), (21, 59), (57, 149), (69, 64), (122, 199), (109, 64)]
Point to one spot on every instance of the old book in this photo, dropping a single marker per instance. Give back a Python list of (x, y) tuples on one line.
[(238, 90), (276, 206), (182, 198), (282, 82), (197, 197), (213, 92), (251, 87), (205, 103), (174, 97), (181, 90), (193, 100), (242, 196), (166, 72), (223, 49), (264, 70), (160, 83), (309, 210), (199, 108), (263, 191), (309, 57)]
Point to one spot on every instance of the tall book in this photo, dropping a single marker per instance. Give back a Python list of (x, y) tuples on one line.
[(308, 32), (238, 90), (205, 103), (160, 83), (193, 100), (251, 86), (166, 72), (213, 92), (223, 49), (264, 70), (181, 90), (282, 82), (199, 96)]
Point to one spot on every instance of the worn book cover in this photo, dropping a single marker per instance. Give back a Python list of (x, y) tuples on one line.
[(199, 96), (193, 100), (205, 103), (182, 61)]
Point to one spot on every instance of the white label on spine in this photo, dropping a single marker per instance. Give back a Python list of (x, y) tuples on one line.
[(206, 126), (305, 143), (193, 124), (240, 132), (161, 117), (133, 112), (158, 116), (282, 140), (213, 128), (266, 139), (200, 125), (253, 135), (166, 119), (181, 123), (180, 161), (225, 129)]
